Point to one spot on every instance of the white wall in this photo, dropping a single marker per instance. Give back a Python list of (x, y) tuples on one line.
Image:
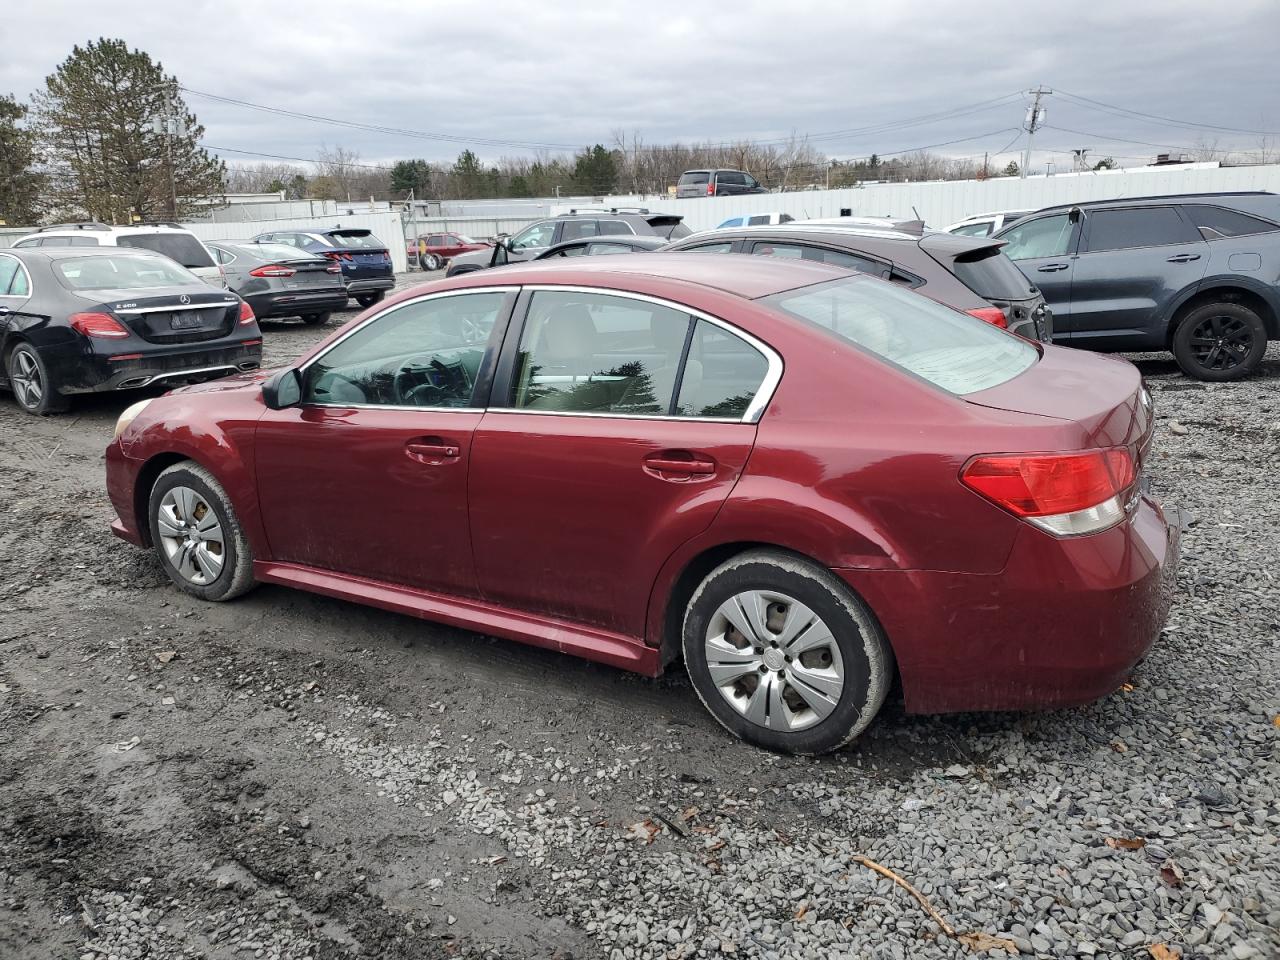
[(385, 226)]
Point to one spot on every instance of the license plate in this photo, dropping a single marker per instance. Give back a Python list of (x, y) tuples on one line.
[(186, 320)]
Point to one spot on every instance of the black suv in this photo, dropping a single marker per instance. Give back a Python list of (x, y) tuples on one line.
[(716, 183), (968, 273), (1195, 274), (534, 239)]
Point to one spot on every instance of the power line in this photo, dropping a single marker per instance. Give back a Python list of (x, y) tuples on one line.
[(277, 156), (1108, 137), (1156, 118)]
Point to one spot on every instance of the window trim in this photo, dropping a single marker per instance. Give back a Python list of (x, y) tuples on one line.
[(479, 402), (886, 269), (31, 287), (515, 330)]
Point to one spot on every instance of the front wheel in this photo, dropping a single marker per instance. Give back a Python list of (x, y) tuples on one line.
[(1220, 341), (31, 383), (196, 534), (431, 262), (369, 299), (784, 655), (315, 319)]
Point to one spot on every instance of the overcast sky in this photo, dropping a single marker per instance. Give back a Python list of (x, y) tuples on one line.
[(569, 73)]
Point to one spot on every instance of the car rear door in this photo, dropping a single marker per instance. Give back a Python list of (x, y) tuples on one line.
[(1044, 249), (1133, 263), (368, 474), (585, 477)]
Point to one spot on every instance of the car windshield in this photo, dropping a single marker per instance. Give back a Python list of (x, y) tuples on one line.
[(181, 247), (944, 347), (121, 273), (462, 238), (356, 239)]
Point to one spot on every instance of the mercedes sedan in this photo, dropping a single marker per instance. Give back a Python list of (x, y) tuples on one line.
[(798, 480)]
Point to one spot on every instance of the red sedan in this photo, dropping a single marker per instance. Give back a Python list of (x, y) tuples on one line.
[(797, 479), (435, 250)]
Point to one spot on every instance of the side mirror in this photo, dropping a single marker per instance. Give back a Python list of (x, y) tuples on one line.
[(282, 390), (1074, 215)]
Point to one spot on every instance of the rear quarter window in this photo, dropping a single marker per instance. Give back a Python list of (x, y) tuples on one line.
[(991, 275), (1218, 223), (941, 346)]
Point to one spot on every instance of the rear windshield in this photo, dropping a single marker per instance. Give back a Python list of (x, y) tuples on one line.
[(182, 247), (357, 239), (695, 176), (273, 251), (944, 347), (669, 228), (991, 275), (121, 273)]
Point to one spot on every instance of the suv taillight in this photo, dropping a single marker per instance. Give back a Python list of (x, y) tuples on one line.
[(101, 326), (711, 188), (1064, 494), (992, 315), (272, 270)]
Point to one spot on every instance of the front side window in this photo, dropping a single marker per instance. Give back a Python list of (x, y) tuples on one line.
[(1138, 227), (423, 354), (538, 235), (750, 181), (603, 354), (726, 247), (1045, 237), (799, 251), (944, 347), (1218, 223)]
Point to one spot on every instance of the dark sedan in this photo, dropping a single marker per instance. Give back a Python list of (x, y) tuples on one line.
[(87, 319), (968, 273), (278, 280), (367, 271)]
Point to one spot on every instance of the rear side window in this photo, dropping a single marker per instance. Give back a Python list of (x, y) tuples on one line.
[(1137, 227), (614, 227), (726, 247), (1218, 223), (839, 258), (982, 229), (8, 269), (731, 176), (722, 375), (941, 346), (991, 275), (695, 176), (577, 229), (181, 247)]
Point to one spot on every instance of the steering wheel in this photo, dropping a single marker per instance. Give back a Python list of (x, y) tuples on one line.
[(431, 386)]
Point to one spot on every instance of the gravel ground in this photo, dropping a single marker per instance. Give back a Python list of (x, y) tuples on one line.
[(289, 776)]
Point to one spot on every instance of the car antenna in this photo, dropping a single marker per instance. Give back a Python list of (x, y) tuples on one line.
[(916, 212)]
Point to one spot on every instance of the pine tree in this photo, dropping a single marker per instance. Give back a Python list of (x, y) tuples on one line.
[(97, 116), (20, 184), (595, 171)]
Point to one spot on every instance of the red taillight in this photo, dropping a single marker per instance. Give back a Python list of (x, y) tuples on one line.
[(100, 325), (333, 268), (992, 315), (1050, 484), (335, 256), (273, 270), (711, 189), (251, 343), (246, 314)]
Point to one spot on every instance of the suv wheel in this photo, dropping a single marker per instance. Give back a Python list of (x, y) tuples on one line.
[(1220, 341), (196, 534), (369, 299), (315, 319), (784, 655), (31, 384)]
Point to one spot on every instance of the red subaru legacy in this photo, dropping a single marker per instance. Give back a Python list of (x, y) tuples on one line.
[(798, 480)]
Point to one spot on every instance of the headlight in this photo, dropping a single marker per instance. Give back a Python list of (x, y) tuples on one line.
[(128, 416)]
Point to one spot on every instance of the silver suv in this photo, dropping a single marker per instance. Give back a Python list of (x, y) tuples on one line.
[(169, 239)]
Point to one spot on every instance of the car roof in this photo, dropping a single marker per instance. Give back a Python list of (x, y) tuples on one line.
[(64, 253), (808, 230), (764, 275), (1160, 199)]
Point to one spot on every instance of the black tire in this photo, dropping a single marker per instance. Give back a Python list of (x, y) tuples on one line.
[(315, 319), (369, 299), (236, 573), (865, 661), (1219, 342), (431, 262), (29, 379)]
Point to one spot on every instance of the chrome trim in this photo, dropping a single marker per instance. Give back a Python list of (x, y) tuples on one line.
[(617, 416), (134, 382), (755, 409), (178, 307), (395, 406)]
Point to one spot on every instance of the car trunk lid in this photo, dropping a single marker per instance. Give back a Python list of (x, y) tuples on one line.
[(162, 315)]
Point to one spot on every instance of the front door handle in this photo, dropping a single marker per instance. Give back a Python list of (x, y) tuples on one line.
[(1183, 258), (432, 450), (679, 465), (1053, 267)]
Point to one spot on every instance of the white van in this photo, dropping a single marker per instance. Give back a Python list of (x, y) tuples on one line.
[(169, 239)]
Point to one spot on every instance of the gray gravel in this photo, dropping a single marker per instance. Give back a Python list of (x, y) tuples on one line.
[(312, 779)]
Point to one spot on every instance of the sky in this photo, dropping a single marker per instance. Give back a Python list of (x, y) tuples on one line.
[(509, 79)]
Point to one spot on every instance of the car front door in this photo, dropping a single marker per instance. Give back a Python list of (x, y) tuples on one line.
[(585, 475), (1045, 251), (1133, 264), (15, 291), (531, 241), (367, 475)]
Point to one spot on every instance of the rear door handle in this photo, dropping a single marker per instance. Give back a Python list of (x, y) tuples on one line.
[(1052, 267), (1183, 258), (432, 450)]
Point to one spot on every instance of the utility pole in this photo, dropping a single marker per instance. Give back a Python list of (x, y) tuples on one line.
[(1033, 121), (985, 172)]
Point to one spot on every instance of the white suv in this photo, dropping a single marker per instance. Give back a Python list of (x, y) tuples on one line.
[(169, 239)]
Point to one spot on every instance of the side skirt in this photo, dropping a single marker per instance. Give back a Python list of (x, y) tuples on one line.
[(614, 649)]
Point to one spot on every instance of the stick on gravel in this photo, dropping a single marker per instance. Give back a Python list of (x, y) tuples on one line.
[(977, 940)]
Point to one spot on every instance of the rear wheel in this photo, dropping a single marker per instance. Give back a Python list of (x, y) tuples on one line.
[(31, 383), (196, 534), (315, 319), (1220, 341), (431, 262), (784, 655), (369, 299)]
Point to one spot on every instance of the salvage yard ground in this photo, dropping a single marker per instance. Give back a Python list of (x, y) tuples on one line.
[(291, 776)]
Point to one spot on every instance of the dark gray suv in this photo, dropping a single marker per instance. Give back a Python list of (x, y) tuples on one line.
[(716, 183), (1194, 274)]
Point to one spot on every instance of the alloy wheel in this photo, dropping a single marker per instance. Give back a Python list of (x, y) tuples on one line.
[(191, 535), (774, 660), (25, 379), (1221, 342)]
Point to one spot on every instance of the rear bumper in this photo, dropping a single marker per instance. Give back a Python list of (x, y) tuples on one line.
[(294, 304), (1064, 624), (184, 363), (370, 285)]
